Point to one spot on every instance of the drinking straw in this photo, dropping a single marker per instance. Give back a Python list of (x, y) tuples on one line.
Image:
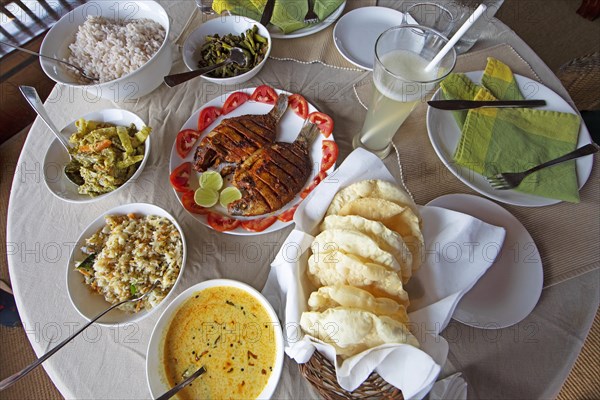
[(465, 27)]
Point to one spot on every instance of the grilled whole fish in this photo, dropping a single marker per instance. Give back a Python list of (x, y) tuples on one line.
[(235, 139), (272, 176)]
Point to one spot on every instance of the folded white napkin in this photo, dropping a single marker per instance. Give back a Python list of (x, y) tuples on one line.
[(453, 387), (459, 250)]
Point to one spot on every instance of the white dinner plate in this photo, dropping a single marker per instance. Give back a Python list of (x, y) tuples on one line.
[(309, 30), (444, 135), (287, 130), (511, 288), (355, 33), (57, 157), (89, 304)]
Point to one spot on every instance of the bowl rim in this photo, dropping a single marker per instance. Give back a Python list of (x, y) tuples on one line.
[(236, 20), (166, 317), (154, 5), (87, 198), (80, 240)]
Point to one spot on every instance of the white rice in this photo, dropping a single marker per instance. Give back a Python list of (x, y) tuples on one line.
[(108, 49)]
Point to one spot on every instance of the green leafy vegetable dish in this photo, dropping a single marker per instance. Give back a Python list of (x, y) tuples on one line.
[(105, 155), (216, 49)]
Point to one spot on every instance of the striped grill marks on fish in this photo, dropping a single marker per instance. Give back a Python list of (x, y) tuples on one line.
[(235, 139), (273, 175)]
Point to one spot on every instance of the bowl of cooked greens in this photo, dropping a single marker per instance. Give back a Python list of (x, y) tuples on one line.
[(211, 42), (108, 150)]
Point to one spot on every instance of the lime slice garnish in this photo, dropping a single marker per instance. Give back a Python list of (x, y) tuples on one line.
[(229, 195), (206, 197), (211, 180)]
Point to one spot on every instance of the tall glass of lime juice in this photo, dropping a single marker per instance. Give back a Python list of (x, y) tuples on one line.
[(401, 81)]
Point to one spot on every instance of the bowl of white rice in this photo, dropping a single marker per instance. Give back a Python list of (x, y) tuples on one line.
[(123, 44), (121, 254)]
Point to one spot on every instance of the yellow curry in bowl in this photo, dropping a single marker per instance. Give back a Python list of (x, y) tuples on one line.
[(229, 332)]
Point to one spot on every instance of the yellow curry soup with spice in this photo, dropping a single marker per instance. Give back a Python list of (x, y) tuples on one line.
[(230, 333)]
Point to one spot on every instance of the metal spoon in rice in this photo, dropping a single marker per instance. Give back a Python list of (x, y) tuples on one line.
[(15, 377), (78, 69), (71, 170), (236, 55)]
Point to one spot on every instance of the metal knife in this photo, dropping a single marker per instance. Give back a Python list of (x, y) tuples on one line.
[(470, 104), (267, 12)]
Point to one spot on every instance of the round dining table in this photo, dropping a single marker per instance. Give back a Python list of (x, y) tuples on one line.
[(531, 359)]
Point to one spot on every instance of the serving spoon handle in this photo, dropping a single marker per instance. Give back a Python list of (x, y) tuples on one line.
[(176, 79), (35, 102), (33, 53), (236, 55), (11, 380), (173, 391)]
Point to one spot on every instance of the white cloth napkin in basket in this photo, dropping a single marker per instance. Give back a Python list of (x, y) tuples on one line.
[(459, 250)]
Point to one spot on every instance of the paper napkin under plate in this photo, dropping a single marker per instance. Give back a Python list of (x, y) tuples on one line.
[(496, 140), (457, 248)]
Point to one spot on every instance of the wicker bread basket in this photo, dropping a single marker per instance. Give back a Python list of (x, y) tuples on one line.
[(581, 78), (321, 374)]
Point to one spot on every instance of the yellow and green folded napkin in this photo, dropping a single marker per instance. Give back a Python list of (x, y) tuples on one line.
[(288, 15), (498, 140)]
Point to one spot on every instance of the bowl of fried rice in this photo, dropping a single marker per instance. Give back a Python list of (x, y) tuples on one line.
[(120, 255)]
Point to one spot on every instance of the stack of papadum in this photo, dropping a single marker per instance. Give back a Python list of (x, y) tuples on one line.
[(369, 246)]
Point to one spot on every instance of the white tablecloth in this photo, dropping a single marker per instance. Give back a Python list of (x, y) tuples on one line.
[(105, 363)]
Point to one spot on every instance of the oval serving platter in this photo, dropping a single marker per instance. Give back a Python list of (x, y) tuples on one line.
[(287, 129)]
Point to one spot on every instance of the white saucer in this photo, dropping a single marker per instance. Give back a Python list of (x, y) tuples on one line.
[(511, 288), (355, 33)]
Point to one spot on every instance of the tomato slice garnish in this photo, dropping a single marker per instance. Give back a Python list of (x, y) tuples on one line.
[(259, 225), (189, 204), (234, 101), (185, 141), (222, 223), (323, 120), (299, 105), (180, 177), (264, 94), (288, 215), (322, 175), (330, 154), (207, 116)]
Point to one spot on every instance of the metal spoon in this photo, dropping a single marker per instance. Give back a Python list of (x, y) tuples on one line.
[(236, 55), (17, 376), (170, 393), (80, 70), (71, 170)]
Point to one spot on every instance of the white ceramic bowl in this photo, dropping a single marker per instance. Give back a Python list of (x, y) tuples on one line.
[(57, 157), (157, 381), (131, 86), (89, 304), (223, 25)]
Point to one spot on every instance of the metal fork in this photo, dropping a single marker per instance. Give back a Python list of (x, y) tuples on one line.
[(311, 17), (510, 180)]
